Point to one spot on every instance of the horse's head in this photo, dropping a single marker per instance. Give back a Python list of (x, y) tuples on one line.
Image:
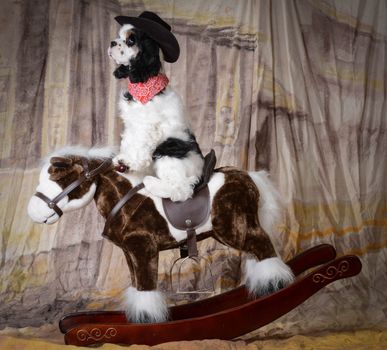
[(66, 183)]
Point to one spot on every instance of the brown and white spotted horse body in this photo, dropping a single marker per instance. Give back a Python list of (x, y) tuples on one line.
[(140, 228)]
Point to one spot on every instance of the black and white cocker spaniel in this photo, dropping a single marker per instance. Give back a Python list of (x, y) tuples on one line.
[(157, 139)]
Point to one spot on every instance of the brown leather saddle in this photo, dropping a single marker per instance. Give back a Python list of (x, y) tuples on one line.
[(192, 213)]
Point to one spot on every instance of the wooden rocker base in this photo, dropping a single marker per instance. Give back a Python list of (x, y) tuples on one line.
[(225, 316)]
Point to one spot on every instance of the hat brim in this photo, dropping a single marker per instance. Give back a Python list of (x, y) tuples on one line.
[(166, 40)]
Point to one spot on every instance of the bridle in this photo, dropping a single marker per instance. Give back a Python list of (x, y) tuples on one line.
[(87, 175)]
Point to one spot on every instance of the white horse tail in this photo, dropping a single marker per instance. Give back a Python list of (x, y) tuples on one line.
[(270, 202)]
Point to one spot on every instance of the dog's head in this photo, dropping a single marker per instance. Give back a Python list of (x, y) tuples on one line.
[(137, 54), (125, 48), (137, 48)]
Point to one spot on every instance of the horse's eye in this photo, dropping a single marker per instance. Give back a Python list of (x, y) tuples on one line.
[(131, 40)]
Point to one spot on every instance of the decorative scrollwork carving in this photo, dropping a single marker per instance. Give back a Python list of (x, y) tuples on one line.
[(96, 334), (331, 272)]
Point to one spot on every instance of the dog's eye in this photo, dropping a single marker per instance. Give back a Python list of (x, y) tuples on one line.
[(131, 40)]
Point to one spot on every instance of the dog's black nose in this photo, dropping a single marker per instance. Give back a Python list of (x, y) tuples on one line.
[(113, 43)]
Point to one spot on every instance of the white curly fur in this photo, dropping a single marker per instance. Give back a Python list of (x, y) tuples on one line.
[(146, 126)]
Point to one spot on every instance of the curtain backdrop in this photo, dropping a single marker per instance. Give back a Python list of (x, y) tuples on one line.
[(294, 87)]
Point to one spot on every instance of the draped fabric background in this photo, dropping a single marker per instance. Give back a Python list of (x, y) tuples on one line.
[(296, 87)]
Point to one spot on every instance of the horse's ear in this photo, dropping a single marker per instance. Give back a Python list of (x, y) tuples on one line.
[(61, 162), (60, 167)]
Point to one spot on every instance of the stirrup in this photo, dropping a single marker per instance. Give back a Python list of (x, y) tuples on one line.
[(196, 260)]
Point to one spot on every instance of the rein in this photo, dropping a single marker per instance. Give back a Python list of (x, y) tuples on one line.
[(120, 204)]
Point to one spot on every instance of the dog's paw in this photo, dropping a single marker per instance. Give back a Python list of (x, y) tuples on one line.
[(121, 159), (181, 193), (164, 189), (140, 164), (156, 187)]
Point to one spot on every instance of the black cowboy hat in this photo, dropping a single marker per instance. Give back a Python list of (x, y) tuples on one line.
[(158, 30)]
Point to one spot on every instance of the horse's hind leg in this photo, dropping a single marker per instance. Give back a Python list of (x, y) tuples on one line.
[(269, 273), (265, 271), (236, 224), (143, 302)]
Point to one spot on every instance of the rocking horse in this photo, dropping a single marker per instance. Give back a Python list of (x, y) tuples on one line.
[(231, 206)]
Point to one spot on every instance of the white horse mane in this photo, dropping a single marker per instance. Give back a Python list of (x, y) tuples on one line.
[(78, 150)]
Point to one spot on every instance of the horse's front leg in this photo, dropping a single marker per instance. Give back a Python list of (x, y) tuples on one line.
[(131, 267), (143, 302)]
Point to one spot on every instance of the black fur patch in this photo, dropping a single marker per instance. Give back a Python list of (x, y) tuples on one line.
[(121, 72), (177, 148)]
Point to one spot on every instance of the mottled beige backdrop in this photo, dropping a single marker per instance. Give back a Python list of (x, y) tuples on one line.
[(296, 87)]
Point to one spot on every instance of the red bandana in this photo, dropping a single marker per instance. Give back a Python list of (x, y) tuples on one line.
[(144, 92)]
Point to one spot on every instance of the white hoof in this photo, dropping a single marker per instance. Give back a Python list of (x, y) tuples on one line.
[(145, 306), (267, 276)]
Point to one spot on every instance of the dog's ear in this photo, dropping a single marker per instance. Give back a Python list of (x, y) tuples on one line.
[(121, 72)]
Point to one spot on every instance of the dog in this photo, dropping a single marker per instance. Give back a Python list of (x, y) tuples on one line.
[(157, 139)]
